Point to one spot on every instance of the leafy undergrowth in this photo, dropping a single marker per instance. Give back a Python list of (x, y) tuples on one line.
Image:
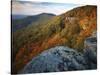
[(68, 29)]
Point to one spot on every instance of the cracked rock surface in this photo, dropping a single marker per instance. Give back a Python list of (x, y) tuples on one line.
[(61, 58)]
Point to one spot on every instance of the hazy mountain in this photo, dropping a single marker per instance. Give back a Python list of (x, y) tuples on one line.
[(21, 21), (68, 29), (14, 17)]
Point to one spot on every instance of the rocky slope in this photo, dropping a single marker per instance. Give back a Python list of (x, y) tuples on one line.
[(62, 58)]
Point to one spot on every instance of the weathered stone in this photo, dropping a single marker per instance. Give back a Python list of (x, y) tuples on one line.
[(56, 59)]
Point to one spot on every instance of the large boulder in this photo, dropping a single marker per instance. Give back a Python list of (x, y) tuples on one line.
[(55, 59)]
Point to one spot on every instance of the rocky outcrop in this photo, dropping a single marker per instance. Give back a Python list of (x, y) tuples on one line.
[(90, 51), (60, 58)]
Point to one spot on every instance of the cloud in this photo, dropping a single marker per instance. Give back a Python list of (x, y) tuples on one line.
[(34, 8)]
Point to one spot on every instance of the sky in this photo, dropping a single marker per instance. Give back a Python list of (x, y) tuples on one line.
[(34, 8)]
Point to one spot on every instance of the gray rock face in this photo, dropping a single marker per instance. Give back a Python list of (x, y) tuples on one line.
[(60, 58), (90, 52)]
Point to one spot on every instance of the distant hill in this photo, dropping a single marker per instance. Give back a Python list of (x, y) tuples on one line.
[(68, 29), (21, 21), (14, 17)]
